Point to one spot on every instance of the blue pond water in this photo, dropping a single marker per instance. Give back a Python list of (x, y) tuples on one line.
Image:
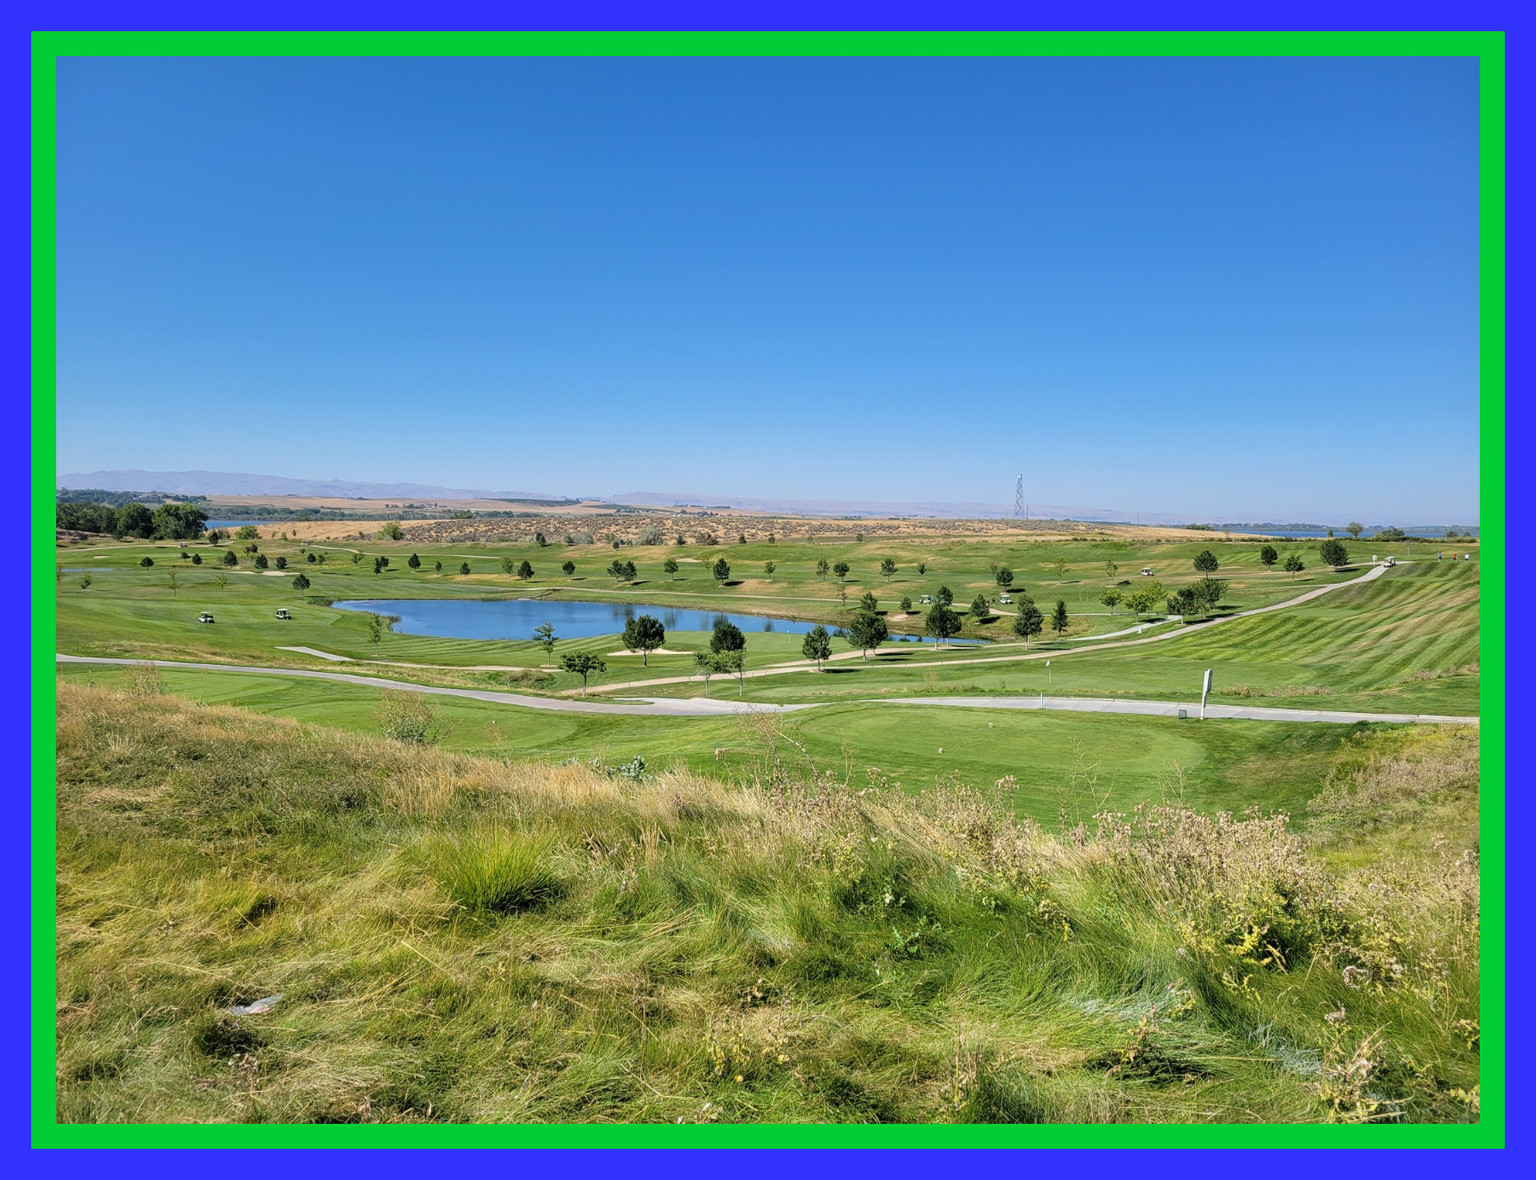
[(515, 618)]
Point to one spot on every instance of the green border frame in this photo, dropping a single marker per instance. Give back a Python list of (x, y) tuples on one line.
[(47, 47)]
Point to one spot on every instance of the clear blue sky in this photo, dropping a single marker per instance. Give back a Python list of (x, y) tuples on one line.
[(1222, 289)]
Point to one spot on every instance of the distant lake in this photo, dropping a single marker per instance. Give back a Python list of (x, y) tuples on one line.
[(515, 618), (234, 524)]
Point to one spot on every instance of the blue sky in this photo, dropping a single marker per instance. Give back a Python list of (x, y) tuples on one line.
[(1222, 289)]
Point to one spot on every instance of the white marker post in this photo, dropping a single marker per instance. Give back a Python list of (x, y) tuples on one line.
[(1047, 673), (1205, 691)]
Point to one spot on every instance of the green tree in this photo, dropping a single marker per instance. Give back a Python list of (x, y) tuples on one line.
[(817, 645), (215, 536), (379, 565), (540, 540), (980, 610), (544, 635), (1354, 528), (726, 636), (867, 631), (280, 562), (821, 569), (508, 565), (922, 568), (887, 568), (944, 596), (247, 532), (568, 568), (1205, 562), (1110, 569), (197, 559), (178, 522), (525, 571), (584, 664), (722, 570), (1029, 622), (841, 570), (134, 520), (85, 581), (463, 567), (1333, 553), (616, 569), (1145, 598), (1111, 598), (1268, 555), (437, 566), (1183, 603), (356, 557), (1061, 565), (229, 557), (58, 573), (734, 661), (172, 577), (868, 601), (906, 604), (630, 572), (375, 627), (705, 663), (1004, 578), (644, 635), (768, 568), (220, 580), (301, 583), (146, 562), (261, 561), (413, 561), (1059, 620), (842, 597), (669, 567), (1294, 565), (390, 532), (941, 623), (1208, 593), (741, 539)]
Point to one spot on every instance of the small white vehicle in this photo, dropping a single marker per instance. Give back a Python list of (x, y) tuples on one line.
[(205, 617), (1391, 561), (282, 613), (926, 598), (1003, 599), (1146, 571)]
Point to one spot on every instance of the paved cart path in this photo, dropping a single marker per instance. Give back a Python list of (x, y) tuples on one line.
[(644, 706), (705, 707)]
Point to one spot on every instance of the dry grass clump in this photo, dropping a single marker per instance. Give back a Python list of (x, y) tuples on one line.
[(460, 939)]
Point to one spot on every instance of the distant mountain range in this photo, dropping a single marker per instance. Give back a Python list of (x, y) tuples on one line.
[(234, 483), (226, 483), (970, 510)]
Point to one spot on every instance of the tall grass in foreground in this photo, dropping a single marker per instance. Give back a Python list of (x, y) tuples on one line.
[(462, 939)]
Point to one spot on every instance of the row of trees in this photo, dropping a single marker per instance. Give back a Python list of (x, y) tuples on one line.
[(168, 522)]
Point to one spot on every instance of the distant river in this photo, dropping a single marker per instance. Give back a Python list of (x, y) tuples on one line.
[(515, 618)]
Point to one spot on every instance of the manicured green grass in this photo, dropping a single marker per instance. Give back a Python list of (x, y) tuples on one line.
[(1406, 642), (1080, 762), (459, 939)]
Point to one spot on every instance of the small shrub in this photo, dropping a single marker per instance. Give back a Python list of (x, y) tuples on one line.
[(409, 717), (144, 680), (498, 872)]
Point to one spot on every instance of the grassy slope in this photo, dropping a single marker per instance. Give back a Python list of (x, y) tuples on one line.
[(462, 939)]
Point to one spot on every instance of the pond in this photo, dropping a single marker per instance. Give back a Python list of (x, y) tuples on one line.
[(515, 618)]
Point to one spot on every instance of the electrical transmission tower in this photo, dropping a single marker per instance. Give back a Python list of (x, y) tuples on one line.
[(1018, 498)]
